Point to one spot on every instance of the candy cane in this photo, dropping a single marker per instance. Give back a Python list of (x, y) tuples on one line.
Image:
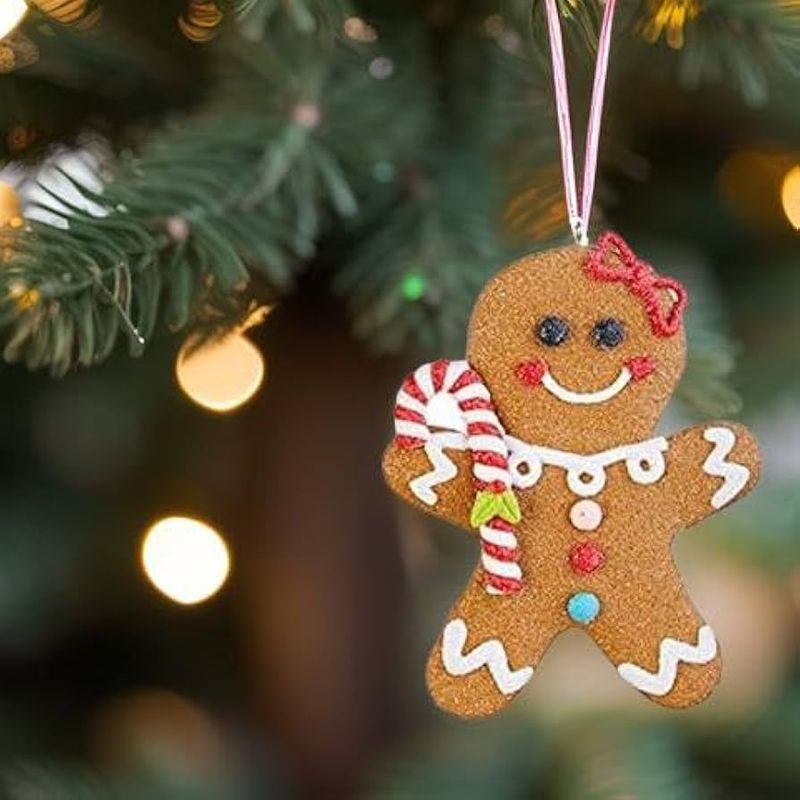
[(495, 511)]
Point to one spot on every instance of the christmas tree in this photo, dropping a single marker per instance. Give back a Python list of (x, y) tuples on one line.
[(291, 203)]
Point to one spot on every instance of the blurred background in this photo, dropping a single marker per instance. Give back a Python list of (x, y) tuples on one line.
[(206, 591)]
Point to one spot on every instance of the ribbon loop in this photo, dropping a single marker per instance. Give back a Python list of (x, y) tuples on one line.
[(579, 212)]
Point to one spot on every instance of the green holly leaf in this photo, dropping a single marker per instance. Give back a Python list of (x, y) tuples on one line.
[(488, 505)]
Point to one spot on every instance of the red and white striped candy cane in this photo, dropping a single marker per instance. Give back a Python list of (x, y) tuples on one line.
[(495, 511)]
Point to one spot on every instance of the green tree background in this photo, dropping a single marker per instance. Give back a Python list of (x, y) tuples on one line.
[(364, 167)]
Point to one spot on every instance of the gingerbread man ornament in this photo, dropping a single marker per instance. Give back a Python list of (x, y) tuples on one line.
[(542, 443)]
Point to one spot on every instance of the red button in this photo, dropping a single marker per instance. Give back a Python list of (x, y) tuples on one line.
[(586, 558)]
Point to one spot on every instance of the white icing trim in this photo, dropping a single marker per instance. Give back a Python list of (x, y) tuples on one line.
[(671, 653), (595, 484), (650, 453), (534, 466), (490, 654), (594, 466), (587, 398), (735, 475), (443, 470), (646, 467)]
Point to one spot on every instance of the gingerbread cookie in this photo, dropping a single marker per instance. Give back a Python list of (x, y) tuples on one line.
[(543, 442)]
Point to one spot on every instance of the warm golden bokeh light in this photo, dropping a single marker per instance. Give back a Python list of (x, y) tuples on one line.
[(757, 185), (669, 17), (220, 374), (10, 212), (200, 20), (185, 559), (790, 196), (360, 31), (67, 12), (11, 14)]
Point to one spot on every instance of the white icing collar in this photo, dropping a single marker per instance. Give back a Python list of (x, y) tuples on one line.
[(586, 474)]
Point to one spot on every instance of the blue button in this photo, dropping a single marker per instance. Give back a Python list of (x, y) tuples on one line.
[(583, 607)]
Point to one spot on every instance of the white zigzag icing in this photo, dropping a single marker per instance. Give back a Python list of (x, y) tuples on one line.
[(735, 475), (443, 470), (671, 653), (490, 654)]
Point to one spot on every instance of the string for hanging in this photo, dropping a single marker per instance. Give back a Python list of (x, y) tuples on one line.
[(579, 210)]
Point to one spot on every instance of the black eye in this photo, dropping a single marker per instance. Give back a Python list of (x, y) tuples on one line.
[(608, 333), (552, 331)]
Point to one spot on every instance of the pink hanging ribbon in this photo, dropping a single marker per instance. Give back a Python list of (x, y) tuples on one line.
[(579, 212)]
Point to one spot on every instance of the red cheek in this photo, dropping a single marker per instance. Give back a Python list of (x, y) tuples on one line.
[(641, 367), (532, 372)]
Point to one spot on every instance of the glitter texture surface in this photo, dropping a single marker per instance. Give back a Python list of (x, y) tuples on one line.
[(642, 595)]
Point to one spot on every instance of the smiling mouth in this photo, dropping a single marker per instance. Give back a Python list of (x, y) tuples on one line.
[(537, 373), (587, 398)]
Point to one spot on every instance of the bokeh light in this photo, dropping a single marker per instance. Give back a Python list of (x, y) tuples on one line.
[(10, 213), (752, 184), (67, 12), (11, 14), (200, 20), (790, 196), (155, 728), (220, 374), (185, 559), (413, 286), (360, 31)]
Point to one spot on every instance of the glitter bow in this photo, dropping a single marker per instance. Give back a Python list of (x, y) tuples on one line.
[(641, 280)]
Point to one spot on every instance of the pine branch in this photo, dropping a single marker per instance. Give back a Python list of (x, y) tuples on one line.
[(306, 16), (744, 43), (246, 186), (174, 239), (437, 250)]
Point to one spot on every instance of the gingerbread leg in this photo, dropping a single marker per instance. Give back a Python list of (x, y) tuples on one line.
[(672, 656), (487, 651)]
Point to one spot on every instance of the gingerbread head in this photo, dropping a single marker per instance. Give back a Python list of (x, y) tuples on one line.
[(580, 351), (542, 443)]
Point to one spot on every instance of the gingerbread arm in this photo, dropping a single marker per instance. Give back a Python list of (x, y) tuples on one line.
[(451, 500), (709, 467)]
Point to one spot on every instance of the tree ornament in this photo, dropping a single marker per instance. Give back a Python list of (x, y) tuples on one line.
[(546, 447), (543, 442)]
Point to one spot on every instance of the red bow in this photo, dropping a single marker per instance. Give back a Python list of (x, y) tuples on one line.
[(641, 279)]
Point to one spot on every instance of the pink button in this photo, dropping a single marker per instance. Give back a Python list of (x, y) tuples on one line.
[(586, 515)]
